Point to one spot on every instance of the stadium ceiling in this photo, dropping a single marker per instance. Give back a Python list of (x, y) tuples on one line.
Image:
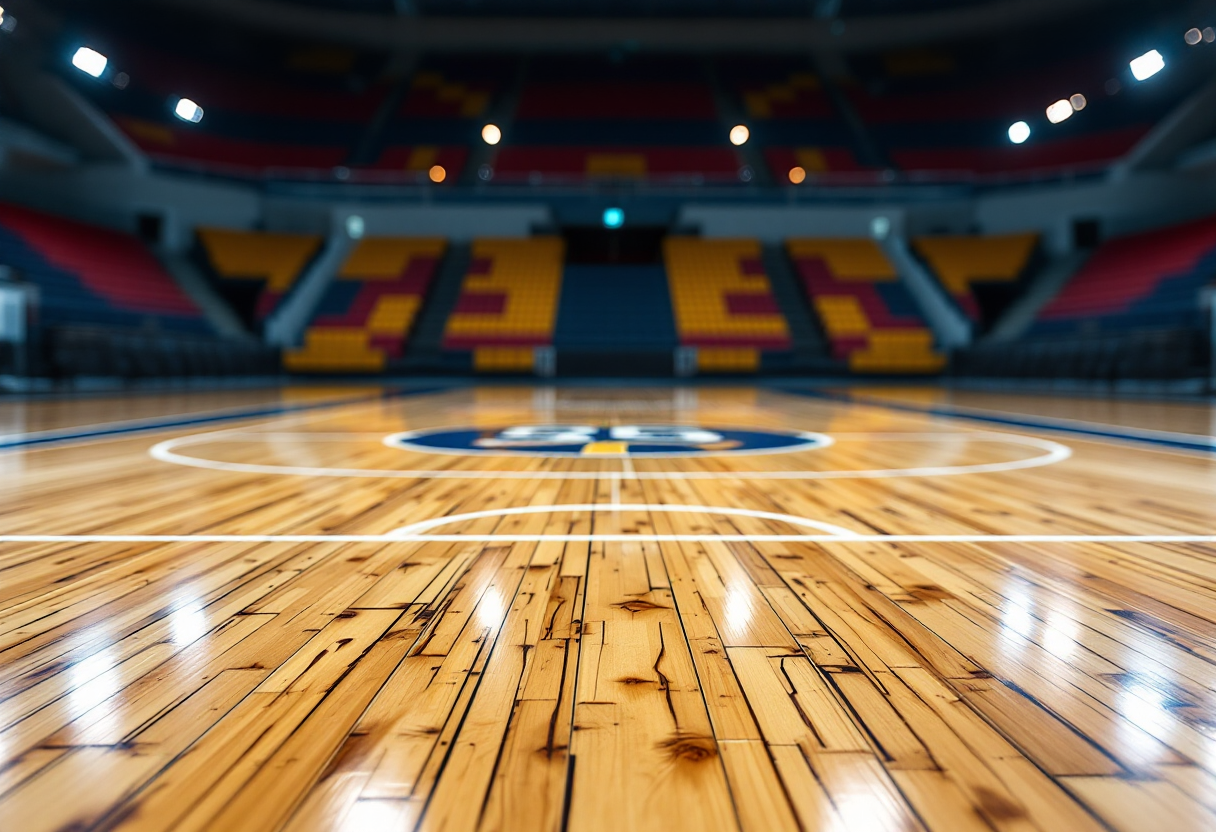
[(407, 25)]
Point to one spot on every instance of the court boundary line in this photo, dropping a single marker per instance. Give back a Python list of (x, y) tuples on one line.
[(136, 426), (1195, 443)]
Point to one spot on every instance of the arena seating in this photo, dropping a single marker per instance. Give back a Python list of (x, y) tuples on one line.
[(267, 263), (785, 104), (92, 275), (870, 318), (441, 114), (965, 263), (508, 303), (647, 119), (1138, 282), (266, 116), (943, 116), (723, 302), (368, 311)]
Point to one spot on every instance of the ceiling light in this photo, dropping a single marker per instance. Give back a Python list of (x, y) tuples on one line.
[(437, 174), (90, 61), (1060, 111), (1078, 102), (739, 134), (1019, 132), (187, 110), (490, 134), (797, 175), (1147, 65)]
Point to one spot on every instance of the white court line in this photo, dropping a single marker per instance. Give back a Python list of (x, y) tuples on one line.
[(591, 508), (606, 538), (412, 533), (1053, 452)]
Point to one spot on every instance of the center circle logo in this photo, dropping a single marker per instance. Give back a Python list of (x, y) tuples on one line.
[(653, 441)]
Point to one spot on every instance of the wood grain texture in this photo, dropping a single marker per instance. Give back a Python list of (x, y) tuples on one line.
[(590, 684)]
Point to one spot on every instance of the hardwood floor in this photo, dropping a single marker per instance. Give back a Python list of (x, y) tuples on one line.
[(924, 625)]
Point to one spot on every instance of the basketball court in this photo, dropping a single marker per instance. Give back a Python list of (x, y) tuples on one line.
[(576, 608)]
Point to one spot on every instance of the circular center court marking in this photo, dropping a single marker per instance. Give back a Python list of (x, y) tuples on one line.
[(1049, 453), (614, 442), (415, 529)]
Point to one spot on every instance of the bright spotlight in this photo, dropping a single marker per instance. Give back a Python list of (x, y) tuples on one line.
[(1078, 102), (613, 218), (490, 134), (437, 174), (739, 134), (90, 61), (1060, 111), (1019, 132), (1192, 37), (1147, 65), (1, 15), (797, 175), (187, 110)]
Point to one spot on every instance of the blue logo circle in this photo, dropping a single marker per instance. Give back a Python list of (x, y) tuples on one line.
[(590, 441)]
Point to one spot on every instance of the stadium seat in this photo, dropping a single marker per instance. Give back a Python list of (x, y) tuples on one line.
[(268, 261), (368, 311), (87, 274), (961, 263), (723, 302), (508, 303), (1142, 281), (870, 319)]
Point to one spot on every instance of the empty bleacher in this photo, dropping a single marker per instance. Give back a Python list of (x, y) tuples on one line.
[(508, 303), (267, 116), (441, 113), (942, 115), (980, 273), (723, 303), (644, 119), (368, 311), (87, 274), (868, 315), (255, 270), (792, 118), (1138, 282)]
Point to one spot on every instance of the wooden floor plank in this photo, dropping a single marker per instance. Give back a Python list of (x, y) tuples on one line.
[(573, 685)]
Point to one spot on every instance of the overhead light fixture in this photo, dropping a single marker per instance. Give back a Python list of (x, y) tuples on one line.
[(797, 175), (90, 61), (437, 173), (739, 134), (1060, 111), (1193, 37), (1078, 102), (187, 110), (491, 134), (613, 217), (1147, 65), (1019, 132), (1, 15)]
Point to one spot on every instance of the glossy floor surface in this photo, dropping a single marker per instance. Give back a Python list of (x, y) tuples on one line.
[(249, 611)]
